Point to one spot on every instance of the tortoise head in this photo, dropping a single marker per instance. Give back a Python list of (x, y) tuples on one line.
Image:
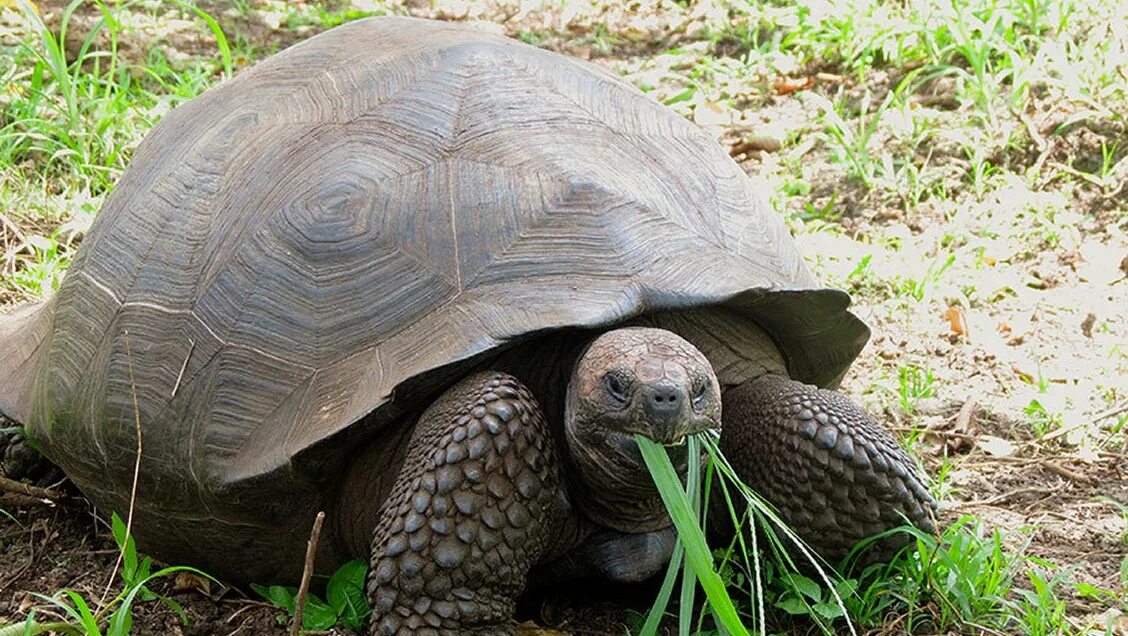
[(634, 381)]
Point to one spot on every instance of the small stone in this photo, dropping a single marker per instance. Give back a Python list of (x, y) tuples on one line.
[(422, 604)]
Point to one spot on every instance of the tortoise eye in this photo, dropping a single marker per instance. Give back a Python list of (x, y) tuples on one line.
[(616, 388), (699, 389)]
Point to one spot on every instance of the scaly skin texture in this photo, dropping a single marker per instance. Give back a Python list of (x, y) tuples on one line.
[(18, 460), (470, 513), (835, 475)]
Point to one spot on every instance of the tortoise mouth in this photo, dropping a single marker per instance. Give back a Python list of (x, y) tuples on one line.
[(669, 437), (626, 446)]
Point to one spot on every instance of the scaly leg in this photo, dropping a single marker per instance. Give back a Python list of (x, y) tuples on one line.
[(470, 513), (18, 460), (833, 473)]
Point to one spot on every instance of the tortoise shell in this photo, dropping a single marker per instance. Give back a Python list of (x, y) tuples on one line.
[(364, 209)]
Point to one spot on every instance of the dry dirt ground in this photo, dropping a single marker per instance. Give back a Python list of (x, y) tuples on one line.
[(1013, 393)]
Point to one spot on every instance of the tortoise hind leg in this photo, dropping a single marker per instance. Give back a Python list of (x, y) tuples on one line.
[(19, 460), (833, 473), (469, 513)]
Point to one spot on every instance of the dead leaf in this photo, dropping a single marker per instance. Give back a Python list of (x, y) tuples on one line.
[(753, 144), (957, 320), (790, 85), (966, 427), (190, 581), (709, 114), (996, 446), (1026, 376), (1087, 324)]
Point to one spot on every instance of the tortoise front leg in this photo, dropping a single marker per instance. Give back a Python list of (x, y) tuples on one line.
[(833, 473), (469, 513)]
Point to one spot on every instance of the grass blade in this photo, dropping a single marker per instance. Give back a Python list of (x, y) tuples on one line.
[(685, 520)]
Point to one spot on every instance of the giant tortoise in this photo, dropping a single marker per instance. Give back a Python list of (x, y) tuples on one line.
[(432, 281)]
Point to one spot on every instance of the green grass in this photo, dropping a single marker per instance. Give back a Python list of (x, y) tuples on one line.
[(113, 617)]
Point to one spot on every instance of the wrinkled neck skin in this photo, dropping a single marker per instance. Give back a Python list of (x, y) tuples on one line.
[(612, 485)]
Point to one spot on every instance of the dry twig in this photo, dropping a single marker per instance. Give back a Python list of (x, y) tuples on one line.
[(990, 501), (136, 468), (307, 573), (40, 495)]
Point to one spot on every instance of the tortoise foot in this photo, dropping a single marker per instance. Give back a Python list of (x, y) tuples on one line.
[(833, 473), (19, 460), (468, 514)]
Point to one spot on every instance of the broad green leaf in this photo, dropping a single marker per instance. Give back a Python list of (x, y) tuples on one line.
[(281, 597), (318, 615), (805, 586), (345, 593)]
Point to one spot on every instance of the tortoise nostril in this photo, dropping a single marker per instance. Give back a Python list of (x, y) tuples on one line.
[(664, 398)]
